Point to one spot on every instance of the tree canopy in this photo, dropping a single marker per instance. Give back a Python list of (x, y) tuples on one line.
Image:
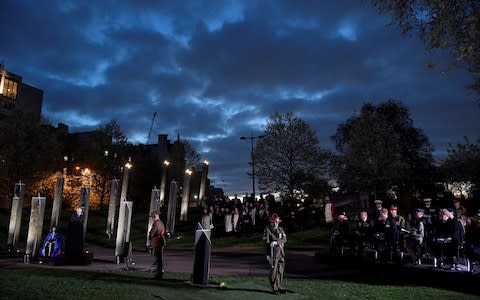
[(288, 156), (442, 24), (461, 167), (28, 150), (380, 148)]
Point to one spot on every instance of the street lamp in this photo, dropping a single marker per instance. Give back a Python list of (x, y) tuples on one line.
[(251, 138)]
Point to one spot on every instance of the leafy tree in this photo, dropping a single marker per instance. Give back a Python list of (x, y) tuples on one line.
[(28, 151), (113, 130), (462, 166), (288, 156), (443, 24), (380, 148), (192, 157)]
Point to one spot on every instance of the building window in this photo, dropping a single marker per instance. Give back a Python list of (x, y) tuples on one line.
[(10, 88)]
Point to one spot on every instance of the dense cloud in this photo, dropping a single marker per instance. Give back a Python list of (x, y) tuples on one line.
[(216, 70)]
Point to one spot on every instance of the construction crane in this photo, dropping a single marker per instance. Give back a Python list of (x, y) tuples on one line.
[(151, 127)]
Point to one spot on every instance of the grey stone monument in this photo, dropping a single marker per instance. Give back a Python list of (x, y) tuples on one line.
[(163, 183), (203, 182), (172, 207), (85, 204), (201, 263), (15, 216), (126, 172), (112, 207), (34, 237), (122, 245), (185, 195), (57, 201), (154, 206)]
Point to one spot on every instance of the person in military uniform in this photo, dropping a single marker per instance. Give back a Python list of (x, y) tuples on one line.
[(275, 238), (459, 210), (413, 241), (157, 242), (376, 211), (384, 235), (362, 232), (430, 220)]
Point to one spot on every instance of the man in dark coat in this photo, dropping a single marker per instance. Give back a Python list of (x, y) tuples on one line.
[(157, 241), (75, 244)]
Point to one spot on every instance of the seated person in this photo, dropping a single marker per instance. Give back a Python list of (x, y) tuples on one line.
[(384, 234), (340, 233), (52, 245), (472, 236), (414, 239), (445, 243), (362, 232)]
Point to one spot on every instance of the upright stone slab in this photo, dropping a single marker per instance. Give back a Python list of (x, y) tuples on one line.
[(126, 172), (57, 201), (112, 206), (201, 262), (15, 216), (34, 237), (123, 230), (185, 196), (172, 207), (154, 206), (163, 184), (85, 204), (203, 182)]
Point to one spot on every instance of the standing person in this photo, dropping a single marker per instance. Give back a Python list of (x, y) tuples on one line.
[(74, 247), (275, 239), (157, 241)]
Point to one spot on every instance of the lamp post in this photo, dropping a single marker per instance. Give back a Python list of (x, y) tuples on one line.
[(252, 138)]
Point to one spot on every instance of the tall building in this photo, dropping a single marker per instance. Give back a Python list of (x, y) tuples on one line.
[(14, 94)]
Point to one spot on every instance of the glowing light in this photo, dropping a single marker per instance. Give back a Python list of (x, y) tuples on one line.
[(188, 171)]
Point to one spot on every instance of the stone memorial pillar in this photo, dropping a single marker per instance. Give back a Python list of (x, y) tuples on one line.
[(85, 204), (57, 201), (15, 216), (185, 195), (34, 237), (172, 207), (126, 172), (201, 263), (122, 245), (112, 207), (163, 183), (154, 206), (203, 182)]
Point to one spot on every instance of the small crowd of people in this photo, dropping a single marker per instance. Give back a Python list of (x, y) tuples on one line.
[(235, 216), (446, 234)]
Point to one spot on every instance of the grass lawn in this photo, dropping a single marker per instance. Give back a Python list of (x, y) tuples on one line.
[(27, 283)]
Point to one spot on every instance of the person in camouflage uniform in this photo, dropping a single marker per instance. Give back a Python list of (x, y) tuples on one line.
[(275, 239)]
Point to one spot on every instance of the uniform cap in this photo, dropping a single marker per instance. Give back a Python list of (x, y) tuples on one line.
[(275, 218)]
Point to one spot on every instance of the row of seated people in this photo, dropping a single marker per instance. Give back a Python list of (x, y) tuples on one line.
[(442, 236)]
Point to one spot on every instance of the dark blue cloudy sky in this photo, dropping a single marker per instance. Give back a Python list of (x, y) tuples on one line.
[(216, 70)]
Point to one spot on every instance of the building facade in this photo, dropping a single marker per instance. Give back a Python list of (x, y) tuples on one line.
[(15, 94)]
